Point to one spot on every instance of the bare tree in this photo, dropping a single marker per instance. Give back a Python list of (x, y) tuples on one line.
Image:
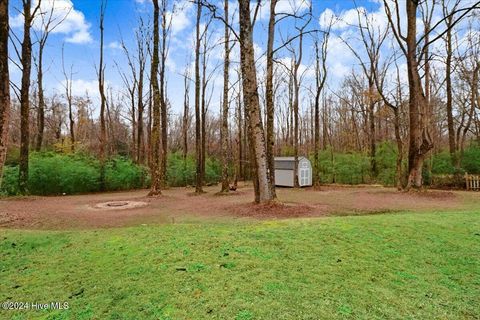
[(448, 81), (68, 76), (141, 38), (372, 39), (198, 137), (321, 52), (131, 84), (103, 100), (166, 24), (156, 132), (48, 24), (224, 130), (252, 106), (469, 66), (269, 96), (394, 102), (420, 140), (4, 85), (186, 113), (26, 62), (297, 57)]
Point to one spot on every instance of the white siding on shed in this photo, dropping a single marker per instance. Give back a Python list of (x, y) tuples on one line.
[(284, 178), (284, 167)]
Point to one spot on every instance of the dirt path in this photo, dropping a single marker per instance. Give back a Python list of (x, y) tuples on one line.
[(180, 204)]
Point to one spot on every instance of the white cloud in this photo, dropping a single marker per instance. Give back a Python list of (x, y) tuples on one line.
[(80, 87), (115, 45), (65, 18), (350, 18), (283, 6), (181, 16), (304, 71)]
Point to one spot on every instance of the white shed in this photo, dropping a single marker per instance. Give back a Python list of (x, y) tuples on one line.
[(284, 167)]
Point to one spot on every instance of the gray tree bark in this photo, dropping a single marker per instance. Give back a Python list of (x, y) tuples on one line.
[(155, 188), (252, 105), (224, 129), (4, 85)]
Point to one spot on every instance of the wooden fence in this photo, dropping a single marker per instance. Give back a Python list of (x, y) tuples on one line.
[(472, 182)]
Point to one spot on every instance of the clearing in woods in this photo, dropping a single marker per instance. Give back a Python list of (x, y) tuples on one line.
[(180, 204), (372, 253)]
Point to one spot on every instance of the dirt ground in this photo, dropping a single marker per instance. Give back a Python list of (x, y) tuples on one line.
[(181, 204)]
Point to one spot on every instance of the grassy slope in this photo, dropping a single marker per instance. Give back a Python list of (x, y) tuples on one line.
[(401, 266)]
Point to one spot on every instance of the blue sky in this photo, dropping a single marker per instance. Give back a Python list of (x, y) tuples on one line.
[(79, 35)]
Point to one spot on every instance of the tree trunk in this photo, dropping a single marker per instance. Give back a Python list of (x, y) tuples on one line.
[(320, 78), (203, 108), (26, 62), (448, 82), (252, 105), (41, 99), (101, 88), (185, 117), (163, 99), (140, 107), (4, 85), (241, 145), (398, 139), (269, 97), (371, 118), (198, 117), (155, 188), (224, 129), (473, 81), (419, 139), (134, 124), (295, 105), (70, 117)]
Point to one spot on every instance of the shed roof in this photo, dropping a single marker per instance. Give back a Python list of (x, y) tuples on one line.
[(288, 158)]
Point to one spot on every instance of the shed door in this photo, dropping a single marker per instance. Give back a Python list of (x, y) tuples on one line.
[(304, 177)]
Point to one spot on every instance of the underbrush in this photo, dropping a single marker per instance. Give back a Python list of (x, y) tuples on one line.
[(354, 167), (53, 173)]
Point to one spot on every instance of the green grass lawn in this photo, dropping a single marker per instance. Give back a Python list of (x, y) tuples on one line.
[(395, 266)]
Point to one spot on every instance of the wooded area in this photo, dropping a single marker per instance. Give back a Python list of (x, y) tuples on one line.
[(413, 90)]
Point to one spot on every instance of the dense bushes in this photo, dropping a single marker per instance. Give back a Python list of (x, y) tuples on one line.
[(354, 168), (51, 173), (123, 174), (470, 162), (54, 173), (182, 173)]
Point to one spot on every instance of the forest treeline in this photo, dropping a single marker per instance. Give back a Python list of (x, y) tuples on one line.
[(408, 109), (59, 173)]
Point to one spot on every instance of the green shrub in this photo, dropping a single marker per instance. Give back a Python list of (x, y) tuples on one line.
[(180, 172), (346, 168), (386, 163), (53, 174), (10, 181), (442, 164), (123, 174), (471, 159), (183, 172)]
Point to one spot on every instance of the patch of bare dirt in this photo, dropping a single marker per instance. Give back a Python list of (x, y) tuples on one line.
[(435, 194), (273, 210), (179, 204)]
